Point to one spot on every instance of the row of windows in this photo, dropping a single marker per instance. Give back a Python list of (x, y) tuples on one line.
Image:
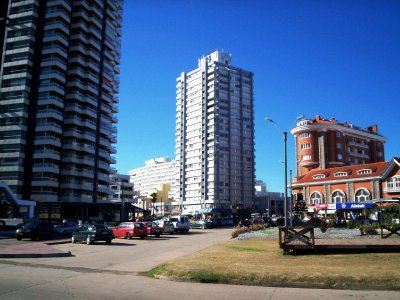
[(342, 174), (340, 197)]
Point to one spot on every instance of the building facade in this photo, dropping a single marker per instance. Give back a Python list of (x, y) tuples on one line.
[(59, 65), (155, 173), (123, 189), (331, 189), (215, 135), (326, 143)]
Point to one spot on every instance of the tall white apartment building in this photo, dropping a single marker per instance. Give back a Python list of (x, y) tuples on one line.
[(215, 135), (155, 172)]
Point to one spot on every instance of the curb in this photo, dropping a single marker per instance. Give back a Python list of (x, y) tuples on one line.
[(300, 285), (34, 255)]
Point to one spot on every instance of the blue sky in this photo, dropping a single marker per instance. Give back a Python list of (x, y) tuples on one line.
[(330, 58)]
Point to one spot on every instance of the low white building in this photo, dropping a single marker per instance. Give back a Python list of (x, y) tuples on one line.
[(155, 172)]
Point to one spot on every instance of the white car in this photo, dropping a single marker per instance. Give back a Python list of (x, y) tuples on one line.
[(181, 223), (167, 225)]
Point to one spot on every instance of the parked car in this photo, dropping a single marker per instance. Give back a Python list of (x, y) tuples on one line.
[(154, 229), (36, 229), (129, 230), (91, 233), (66, 228), (202, 224), (181, 223), (169, 227), (228, 222)]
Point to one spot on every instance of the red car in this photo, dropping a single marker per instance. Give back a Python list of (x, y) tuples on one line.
[(154, 229), (128, 230)]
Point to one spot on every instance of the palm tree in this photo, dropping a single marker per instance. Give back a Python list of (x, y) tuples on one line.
[(153, 200)]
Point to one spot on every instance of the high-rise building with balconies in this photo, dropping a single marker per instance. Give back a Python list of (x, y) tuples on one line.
[(58, 84), (215, 135), (326, 143)]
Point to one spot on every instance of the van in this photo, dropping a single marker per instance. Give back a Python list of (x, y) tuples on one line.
[(181, 223)]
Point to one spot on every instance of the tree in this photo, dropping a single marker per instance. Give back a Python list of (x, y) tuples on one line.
[(300, 205), (153, 200)]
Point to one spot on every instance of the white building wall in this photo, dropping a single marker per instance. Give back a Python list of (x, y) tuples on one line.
[(155, 172), (215, 135)]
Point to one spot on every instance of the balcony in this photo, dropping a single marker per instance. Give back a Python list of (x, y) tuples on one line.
[(78, 172), (360, 145)]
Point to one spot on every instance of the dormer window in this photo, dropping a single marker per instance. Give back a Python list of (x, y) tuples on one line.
[(318, 176), (340, 174), (364, 171)]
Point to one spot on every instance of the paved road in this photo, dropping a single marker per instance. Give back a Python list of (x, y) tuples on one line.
[(112, 272)]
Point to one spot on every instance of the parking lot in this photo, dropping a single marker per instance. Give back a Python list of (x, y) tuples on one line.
[(103, 271), (135, 255)]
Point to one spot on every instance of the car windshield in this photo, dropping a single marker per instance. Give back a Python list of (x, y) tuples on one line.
[(139, 225), (31, 225), (168, 223)]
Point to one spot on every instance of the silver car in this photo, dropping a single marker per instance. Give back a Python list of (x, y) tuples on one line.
[(169, 227)]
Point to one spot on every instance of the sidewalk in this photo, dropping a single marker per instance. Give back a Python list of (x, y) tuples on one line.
[(31, 249)]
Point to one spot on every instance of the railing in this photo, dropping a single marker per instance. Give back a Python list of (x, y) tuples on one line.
[(291, 236)]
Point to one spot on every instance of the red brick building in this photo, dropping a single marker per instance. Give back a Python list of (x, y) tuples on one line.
[(328, 189), (326, 143)]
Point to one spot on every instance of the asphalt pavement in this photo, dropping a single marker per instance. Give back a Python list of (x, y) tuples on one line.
[(114, 271)]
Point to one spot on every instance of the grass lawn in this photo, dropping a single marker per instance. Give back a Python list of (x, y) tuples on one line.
[(261, 262)]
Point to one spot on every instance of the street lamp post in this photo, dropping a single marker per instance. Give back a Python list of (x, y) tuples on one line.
[(285, 163), (291, 200), (121, 199), (285, 208)]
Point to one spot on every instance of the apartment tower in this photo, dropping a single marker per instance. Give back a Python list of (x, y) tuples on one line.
[(58, 84), (326, 143), (215, 135)]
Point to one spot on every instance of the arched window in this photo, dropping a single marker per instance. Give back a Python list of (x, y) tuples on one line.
[(362, 195), (316, 198), (338, 197)]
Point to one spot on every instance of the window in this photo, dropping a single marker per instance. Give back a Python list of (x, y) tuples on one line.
[(306, 146), (318, 176), (316, 198), (340, 156), (338, 134), (362, 195), (364, 171), (393, 183), (340, 174), (306, 157), (305, 135), (339, 145), (338, 197)]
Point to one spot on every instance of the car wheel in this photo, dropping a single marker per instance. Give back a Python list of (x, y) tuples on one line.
[(108, 242), (73, 241), (19, 238), (157, 235), (128, 236), (88, 241), (34, 238), (142, 237)]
